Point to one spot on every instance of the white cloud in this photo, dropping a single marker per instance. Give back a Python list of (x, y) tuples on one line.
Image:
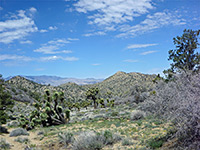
[(53, 47), (107, 12), (14, 57), (115, 15), (53, 28), (43, 30), (130, 60), (148, 52), (152, 22), (73, 39), (49, 58), (33, 10), (19, 58), (26, 42), (1, 8), (47, 30), (17, 28), (132, 46), (53, 58), (94, 33)]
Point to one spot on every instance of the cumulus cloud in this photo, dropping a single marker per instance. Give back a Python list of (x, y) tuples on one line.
[(148, 52), (18, 27), (152, 22), (53, 47), (107, 12), (116, 15), (133, 46)]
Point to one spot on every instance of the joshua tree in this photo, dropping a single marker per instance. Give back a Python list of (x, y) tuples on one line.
[(101, 101), (91, 94), (47, 112)]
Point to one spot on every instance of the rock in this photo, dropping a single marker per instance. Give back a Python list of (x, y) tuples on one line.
[(3, 130), (18, 132), (12, 124)]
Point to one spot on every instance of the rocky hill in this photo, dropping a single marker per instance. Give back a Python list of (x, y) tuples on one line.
[(120, 84), (124, 84)]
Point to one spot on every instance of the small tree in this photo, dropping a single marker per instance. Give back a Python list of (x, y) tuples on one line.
[(184, 56), (91, 94), (5, 102)]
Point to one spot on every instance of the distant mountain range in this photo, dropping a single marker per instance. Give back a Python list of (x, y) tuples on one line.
[(55, 80)]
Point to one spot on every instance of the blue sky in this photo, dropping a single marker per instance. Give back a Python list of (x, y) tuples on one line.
[(91, 38)]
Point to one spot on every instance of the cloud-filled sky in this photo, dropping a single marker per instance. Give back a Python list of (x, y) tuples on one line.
[(91, 38)]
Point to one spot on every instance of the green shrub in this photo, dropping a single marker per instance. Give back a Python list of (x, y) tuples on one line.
[(154, 144)]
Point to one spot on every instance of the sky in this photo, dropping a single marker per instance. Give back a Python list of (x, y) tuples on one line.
[(91, 38)]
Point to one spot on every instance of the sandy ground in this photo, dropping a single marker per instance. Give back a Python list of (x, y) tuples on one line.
[(33, 137)]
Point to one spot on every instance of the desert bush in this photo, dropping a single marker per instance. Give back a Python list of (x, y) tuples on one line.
[(18, 132), (137, 114), (179, 101), (109, 137), (4, 144), (127, 141), (65, 138), (88, 141), (22, 140)]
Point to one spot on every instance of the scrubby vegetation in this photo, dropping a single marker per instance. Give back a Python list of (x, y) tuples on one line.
[(125, 111)]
